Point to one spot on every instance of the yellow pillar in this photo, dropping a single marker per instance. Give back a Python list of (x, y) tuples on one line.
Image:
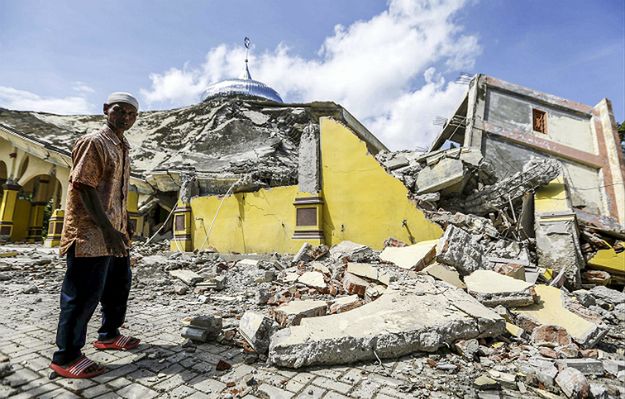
[(182, 240), (55, 228), (309, 218), (37, 208), (7, 208), (135, 219)]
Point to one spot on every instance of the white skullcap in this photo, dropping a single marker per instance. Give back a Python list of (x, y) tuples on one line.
[(122, 97)]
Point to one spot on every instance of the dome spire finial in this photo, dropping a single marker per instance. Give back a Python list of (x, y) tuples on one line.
[(246, 43)]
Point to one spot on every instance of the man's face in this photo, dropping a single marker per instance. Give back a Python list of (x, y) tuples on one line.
[(120, 116)]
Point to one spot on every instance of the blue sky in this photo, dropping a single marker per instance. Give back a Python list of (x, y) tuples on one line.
[(392, 64)]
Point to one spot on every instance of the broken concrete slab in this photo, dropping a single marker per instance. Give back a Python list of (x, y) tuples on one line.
[(188, 277), (445, 173), (586, 366), (369, 271), (355, 285), (444, 273), (257, 328), (461, 250), (347, 249), (412, 257), (313, 279), (511, 270), (608, 295), (550, 309), (420, 315), (536, 172), (573, 383), (492, 289), (293, 312), (344, 304), (550, 336)]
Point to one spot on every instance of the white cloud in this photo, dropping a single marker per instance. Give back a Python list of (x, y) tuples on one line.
[(381, 70), (24, 100), (82, 87)]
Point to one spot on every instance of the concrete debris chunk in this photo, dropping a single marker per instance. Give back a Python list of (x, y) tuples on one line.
[(344, 304), (348, 249), (506, 380), (485, 383), (355, 285), (492, 289), (536, 172), (257, 328), (511, 270), (586, 366), (412, 257), (614, 367), (188, 277), (195, 334), (248, 263), (445, 173), (461, 250), (345, 249), (550, 310), (573, 383), (550, 336), (420, 315), (444, 273), (608, 295), (369, 271), (313, 279), (293, 312), (467, 348)]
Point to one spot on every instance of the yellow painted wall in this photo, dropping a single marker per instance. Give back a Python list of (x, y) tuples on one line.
[(552, 197), (363, 203), (261, 221), (21, 218)]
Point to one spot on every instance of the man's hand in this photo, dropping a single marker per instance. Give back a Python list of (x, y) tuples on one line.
[(116, 241)]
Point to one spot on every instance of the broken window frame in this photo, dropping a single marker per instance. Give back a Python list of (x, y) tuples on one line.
[(539, 121)]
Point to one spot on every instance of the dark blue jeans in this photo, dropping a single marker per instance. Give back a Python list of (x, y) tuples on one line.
[(89, 280)]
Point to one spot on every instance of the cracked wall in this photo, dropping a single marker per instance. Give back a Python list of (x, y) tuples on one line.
[(363, 203)]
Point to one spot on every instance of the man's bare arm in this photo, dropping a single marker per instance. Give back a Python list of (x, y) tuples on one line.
[(114, 239)]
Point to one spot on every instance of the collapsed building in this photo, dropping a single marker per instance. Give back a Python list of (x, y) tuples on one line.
[(510, 227)]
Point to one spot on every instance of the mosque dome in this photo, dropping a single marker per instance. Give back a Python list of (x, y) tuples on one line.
[(244, 86)]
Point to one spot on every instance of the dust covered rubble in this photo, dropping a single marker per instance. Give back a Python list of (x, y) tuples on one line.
[(539, 324), (442, 328)]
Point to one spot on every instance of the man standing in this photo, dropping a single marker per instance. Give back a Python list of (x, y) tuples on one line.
[(96, 236)]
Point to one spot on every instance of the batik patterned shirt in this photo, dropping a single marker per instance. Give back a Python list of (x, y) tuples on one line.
[(100, 160)]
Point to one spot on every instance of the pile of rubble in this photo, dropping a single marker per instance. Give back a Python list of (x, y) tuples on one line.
[(349, 303), (516, 305)]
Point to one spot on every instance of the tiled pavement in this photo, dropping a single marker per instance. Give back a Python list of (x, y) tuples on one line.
[(160, 367)]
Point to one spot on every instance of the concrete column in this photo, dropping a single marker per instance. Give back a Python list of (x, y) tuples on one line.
[(557, 237), (55, 228), (37, 208), (183, 239), (309, 201), (7, 209), (133, 211), (55, 224)]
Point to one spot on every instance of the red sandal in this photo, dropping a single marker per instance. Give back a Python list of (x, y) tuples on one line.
[(122, 343), (83, 367)]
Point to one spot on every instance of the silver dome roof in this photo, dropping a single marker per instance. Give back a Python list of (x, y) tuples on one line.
[(245, 86)]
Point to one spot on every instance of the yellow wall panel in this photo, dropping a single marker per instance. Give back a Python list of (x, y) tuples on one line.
[(363, 203), (261, 221)]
